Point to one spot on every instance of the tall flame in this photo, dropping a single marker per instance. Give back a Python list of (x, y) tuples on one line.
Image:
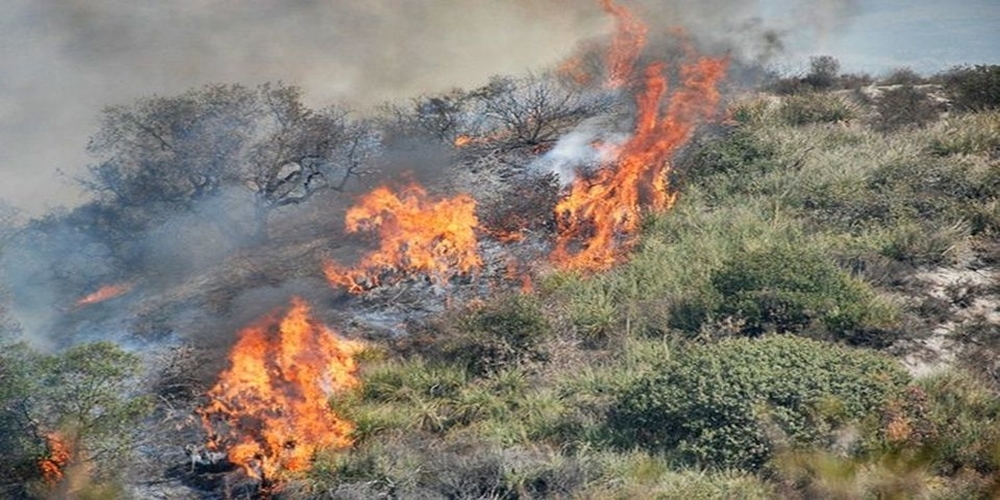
[(417, 235), (628, 41), (270, 407), (600, 216)]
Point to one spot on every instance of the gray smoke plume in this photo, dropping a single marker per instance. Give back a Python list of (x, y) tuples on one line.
[(62, 61)]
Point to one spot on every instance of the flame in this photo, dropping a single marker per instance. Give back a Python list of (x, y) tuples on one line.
[(604, 210), (53, 465), (272, 401), (462, 140), (628, 41), (573, 69), (417, 235), (105, 293)]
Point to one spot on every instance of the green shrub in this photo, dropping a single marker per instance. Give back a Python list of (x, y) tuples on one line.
[(967, 135), (904, 106), (965, 417), (730, 404), (781, 289), (496, 336), (738, 152), (974, 88), (814, 108)]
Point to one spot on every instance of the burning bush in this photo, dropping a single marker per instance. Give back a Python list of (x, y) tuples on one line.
[(417, 235), (269, 411)]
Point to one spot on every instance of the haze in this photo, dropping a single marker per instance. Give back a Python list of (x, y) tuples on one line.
[(61, 62)]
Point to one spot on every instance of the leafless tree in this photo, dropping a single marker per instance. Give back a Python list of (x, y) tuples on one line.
[(534, 110)]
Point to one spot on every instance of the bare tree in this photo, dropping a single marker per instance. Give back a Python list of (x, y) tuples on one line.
[(534, 110), (162, 155)]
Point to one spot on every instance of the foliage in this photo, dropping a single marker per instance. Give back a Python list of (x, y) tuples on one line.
[(87, 394), (975, 88), (904, 106), (791, 290), (20, 438), (902, 76), (498, 335), (822, 72), (732, 403), (814, 108)]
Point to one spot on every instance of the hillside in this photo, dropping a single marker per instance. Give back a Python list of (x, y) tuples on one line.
[(622, 278)]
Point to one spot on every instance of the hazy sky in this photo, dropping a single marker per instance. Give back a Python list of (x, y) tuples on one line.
[(61, 61)]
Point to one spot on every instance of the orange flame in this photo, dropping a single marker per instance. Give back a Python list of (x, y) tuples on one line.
[(604, 210), (103, 293), (272, 401), (462, 140), (52, 466), (417, 236), (628, 41)]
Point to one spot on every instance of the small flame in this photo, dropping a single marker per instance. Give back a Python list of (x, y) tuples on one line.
[(272, 402), (601, 214), (54, 464), (462, 140), (417, 236), (103, 293)]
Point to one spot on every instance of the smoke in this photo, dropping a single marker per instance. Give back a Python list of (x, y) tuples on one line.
[(62, 61), (579, 149)]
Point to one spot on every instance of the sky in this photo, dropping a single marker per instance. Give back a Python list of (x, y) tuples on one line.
[(62, 61)]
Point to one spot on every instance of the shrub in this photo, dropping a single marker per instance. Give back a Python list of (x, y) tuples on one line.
[(904, 106), (786, 290), (965, 417), (967, 134), (732, 403), (974, 88), (903, 76), (738, 152), (496, 336), (822, 72), (814, 108)]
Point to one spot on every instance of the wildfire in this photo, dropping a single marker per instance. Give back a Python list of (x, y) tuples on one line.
[(629, 39), (103, 293), (272, 402), (52, 466), (417, 235), (600, 215), (462, 140)]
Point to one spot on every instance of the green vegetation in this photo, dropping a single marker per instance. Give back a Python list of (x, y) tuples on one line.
[(747, 348), (86, 398), (744, 350), (730, 404)]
